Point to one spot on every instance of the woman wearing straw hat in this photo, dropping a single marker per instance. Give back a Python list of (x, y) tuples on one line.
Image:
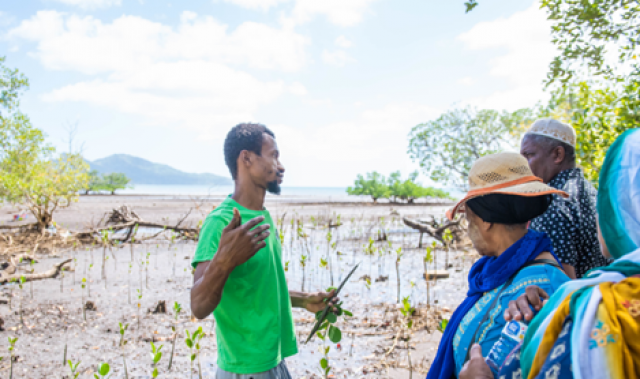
[(504, 196)]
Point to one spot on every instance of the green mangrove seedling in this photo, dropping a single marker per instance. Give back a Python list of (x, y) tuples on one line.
[(123, 342), (74, 369), (103, 371), (193, 341), (428, 259), (12, 347), (177, 308), (331, 333), (139, 305), (20, 283), (447, 237), (84, 312), (407, 311), (398, 257), (156, 355), (31, 263), (303, 263)]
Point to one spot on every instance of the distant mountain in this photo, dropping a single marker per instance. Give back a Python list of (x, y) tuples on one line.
[(141, 171)]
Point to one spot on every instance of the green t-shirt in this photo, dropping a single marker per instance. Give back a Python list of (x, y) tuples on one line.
[(254, 323)]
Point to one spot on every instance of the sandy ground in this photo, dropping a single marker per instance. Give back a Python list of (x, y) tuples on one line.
[(160, 271)]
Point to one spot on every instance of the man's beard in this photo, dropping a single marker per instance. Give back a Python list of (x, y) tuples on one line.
[(274, 187)]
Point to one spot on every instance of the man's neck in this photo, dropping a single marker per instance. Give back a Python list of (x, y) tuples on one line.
[(249, 195)]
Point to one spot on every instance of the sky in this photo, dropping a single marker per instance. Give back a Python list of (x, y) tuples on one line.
[(340, 82)]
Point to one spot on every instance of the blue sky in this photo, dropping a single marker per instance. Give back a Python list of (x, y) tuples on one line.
[(340, 82)]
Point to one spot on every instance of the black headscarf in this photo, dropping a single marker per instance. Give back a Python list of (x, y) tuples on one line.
[(509, 209)]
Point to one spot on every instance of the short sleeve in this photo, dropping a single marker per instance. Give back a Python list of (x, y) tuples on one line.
[(209, 239)]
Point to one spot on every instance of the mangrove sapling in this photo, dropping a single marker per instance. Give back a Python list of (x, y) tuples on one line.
[(84, 312), (303, 263), (329, 237), (428, 258), (12, 347), (103, 371), (147, 270), (177, 308), (105, 242), (156, 355), (447, 237), (123, 342), (20, 283), (323, 264), (398, 257), (89, 280), (407, 311), (139, 305), (74, 369), (129, 286), (192, 341), (61, 279)]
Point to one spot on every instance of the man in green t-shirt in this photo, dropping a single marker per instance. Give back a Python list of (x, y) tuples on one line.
[(239, 274)]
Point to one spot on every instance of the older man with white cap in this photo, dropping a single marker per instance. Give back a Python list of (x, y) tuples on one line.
[(549, 146)]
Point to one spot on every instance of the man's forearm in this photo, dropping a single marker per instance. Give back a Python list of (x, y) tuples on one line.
[(298, 299), (207, 290)]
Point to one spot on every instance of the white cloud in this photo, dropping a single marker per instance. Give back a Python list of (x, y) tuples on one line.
[(88, 45), (257, 4), (466, 81), (91, 4), (336, 58), (182, 77), (297, 88), (343, 42), (365, 142), (526, 37), (339, 12)]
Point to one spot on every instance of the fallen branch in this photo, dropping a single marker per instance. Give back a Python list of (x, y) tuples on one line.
[(51, 273)]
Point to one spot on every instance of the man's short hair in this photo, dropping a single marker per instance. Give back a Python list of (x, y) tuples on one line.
[(243, 137), (549, 144)]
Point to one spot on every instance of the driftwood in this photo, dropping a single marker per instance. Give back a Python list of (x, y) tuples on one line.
[(51, 273), (124, 218), (436, 230)]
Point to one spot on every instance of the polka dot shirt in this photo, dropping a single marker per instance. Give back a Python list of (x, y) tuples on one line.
[(571, 222)]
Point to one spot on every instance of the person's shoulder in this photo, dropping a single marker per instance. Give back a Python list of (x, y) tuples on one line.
[(221, 214), (542, 275)]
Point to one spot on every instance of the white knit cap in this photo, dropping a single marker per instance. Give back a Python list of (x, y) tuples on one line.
[(557, 130)]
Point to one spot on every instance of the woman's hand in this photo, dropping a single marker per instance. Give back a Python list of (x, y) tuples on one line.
[(533, 296), (476, 367)]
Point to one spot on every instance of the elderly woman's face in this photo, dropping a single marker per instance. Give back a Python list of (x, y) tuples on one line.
[(475, 234)]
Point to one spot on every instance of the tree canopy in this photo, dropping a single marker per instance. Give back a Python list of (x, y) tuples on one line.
[(394, 188), (446, 147), (30, 174)]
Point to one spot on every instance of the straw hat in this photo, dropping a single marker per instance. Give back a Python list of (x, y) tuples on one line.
[(554, 129), (503, 173)]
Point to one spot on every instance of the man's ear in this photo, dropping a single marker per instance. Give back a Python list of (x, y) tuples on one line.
[(245, 159), (486, 226), (558, 154)]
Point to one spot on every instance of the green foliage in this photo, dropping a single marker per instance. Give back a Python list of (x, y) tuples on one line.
[(394, 187), (73, 369), (30, 175), (11, 83), (469, 5), (443, 325), (156, 355), (585, 31), (103, 370), (374, 185), (446, 147), (113, 182), (599, 114), (331, 332)]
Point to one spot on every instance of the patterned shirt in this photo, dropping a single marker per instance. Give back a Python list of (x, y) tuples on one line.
[(571, 222)]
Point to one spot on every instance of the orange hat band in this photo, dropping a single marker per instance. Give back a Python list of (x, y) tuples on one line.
[(486, 190)]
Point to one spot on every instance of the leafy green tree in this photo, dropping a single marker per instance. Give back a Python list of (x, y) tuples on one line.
[(113, 182), (30, 174), (447, 147), (94, 182), (408, 190), (375, 185), (599, 115)]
